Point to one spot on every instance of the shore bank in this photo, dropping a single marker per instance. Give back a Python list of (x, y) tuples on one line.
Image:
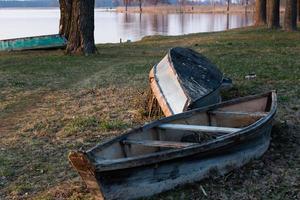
[(51, 103)]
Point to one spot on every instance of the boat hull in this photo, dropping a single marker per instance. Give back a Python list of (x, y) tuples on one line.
[(212, 98), (30, 43), (184, 80), (136, 171), (143, 181)]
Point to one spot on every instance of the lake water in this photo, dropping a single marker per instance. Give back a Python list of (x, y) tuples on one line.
[(111, 26)]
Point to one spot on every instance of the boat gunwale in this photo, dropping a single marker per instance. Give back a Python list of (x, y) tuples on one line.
[(221, 142), (35, 48), (164, 99), (31, 37)]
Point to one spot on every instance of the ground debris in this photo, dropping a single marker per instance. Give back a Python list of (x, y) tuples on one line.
[(41, 91)]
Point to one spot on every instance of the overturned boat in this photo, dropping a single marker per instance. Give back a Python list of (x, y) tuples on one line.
[(180, 149), (36, 42), (185, 79)]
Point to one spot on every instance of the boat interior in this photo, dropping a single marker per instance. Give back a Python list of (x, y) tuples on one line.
[(187, 129)]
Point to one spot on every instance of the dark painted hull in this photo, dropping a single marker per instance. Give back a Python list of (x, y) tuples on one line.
[(210, 99), (183, 80)]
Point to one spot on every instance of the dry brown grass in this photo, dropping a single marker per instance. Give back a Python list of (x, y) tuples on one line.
[(51, 103), (35, 142)]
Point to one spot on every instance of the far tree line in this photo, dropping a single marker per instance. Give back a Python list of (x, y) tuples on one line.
[(77, 20), (267, 12)]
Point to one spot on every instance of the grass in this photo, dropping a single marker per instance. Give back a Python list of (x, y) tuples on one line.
[(81, 124), (51, 103)]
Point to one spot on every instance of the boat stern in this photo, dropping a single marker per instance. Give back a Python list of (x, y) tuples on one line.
[(81, 163)]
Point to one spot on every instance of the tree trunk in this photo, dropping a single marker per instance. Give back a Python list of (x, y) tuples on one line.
[(140, 5), (298, 10), (77, 25), (290, 16), (227, 22), (273, 13), (260, 12), (228, 5), (65, 17), (126, 5)]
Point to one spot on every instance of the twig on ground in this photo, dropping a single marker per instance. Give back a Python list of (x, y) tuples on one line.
[(202, 189)]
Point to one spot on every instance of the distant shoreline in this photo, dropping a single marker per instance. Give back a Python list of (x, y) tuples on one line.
[(187, 9), (97, 9), (29, 8)]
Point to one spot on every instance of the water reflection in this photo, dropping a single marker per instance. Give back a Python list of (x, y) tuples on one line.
[(111, 26)]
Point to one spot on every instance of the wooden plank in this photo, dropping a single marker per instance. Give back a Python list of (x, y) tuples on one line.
[(251, 114), (185, 127), (156, 143)]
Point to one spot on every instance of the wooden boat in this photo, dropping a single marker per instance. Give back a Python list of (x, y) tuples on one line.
[(180, 149), (184, 80), (30, 43)]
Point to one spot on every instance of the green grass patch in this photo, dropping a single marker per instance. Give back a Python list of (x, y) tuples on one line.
[(5, 167), (108, 125), (81, 124), (38, 97)]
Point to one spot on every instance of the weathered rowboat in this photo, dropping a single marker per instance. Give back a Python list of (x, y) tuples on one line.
[(37, 42), (185, 79), (170, 152)]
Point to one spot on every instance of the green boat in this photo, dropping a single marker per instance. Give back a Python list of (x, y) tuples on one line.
[(36, 42)]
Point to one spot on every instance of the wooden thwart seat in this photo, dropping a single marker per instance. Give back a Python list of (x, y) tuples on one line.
[(156, 143), (185, 127)]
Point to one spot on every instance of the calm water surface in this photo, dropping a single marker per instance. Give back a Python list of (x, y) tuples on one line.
[(111, 26)]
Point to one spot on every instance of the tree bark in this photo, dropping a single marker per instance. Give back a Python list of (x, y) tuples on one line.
[(290, 16), (260, 12), (65, 17), (77, 25), (273, 13)]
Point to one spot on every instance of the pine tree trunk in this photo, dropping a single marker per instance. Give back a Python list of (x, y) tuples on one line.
[(77, 25), (260, 12), (273, 13), (290, 16)]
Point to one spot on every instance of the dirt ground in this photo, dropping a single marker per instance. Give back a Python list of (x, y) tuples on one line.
[(51, 103)]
